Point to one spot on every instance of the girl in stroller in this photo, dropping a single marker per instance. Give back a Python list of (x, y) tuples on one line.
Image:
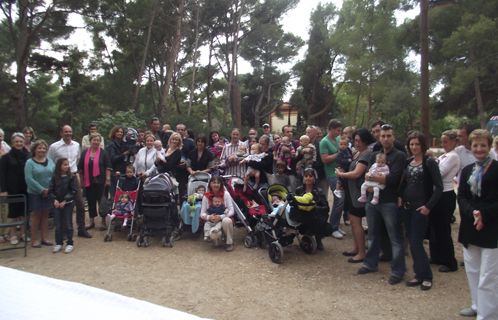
[(317, 224), (123, 208)]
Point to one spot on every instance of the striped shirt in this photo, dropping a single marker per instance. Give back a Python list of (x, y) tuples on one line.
[(234, 170)]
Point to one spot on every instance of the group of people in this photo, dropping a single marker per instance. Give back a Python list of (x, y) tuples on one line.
[(401, 189)]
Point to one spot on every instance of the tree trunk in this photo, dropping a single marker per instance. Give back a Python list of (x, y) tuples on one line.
[(370, 85), (195, 60), (170, 65), (208, 87), (152, 94), (142, 66), (357, 103), (477, 88)]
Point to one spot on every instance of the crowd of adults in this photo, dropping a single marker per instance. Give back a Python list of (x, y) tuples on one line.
[(416, 202)]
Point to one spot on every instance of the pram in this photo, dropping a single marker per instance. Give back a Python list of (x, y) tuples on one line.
[(117, 222), (247, 206), (189, 217), (159, 211), (280, 231)]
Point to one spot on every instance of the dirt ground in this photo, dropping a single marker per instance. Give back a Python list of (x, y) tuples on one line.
[(197, 278)]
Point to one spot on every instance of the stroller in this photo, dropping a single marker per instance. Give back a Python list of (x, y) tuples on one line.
[(118, 221), (247, 206), (280, 231), (189, 216), (159, 211)]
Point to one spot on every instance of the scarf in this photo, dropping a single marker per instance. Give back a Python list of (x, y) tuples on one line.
[(476, 178), (96, 169), (211, 194)]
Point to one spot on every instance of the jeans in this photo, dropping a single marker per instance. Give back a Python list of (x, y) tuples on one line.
[(389, 212), (416, 227), (61, 215), (335, 215)]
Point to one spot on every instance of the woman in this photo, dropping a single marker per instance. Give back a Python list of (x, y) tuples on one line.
[(172, 156), (4, 232), (12, 181), (213, 138), (440, 241), (494, 150), (38, 172), (478, 203), (29, 137), (421, 187), (355, 178), (216, 188), (94, 177), (200, 159), (266, 164), (116, 155), (144, 162), (319, 225), (277, 138)]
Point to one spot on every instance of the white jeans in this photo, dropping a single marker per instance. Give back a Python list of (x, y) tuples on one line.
[(481, 266)]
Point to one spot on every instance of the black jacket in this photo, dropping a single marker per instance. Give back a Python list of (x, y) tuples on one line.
[(62, 189), (12, 171), (114, 149), (265, 165), (203, 162)]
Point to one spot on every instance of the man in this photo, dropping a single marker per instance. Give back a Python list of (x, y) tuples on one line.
[(232, 166), (328, 152), (376, 133), (154, 128), (85, 142), (187, 146), (387, 208), (319, 134), (266, 130), (67, 148), (288, 132)]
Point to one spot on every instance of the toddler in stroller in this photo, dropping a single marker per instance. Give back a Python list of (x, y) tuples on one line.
[(123, 208), (190, 209)]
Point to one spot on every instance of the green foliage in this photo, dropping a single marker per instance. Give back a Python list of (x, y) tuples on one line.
[(125, 119)]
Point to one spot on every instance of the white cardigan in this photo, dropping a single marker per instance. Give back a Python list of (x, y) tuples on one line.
[(139, 163), (227, 202)]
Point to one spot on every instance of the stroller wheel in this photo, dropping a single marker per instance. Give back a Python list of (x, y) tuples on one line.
[(146, 242), (129, 238), (248, 242), (133, 237), (106, 237), (171, 242), (110, 237), (139, 241), (308, 244), (276, 252), (165, 241), (254, 240), (261, 240)]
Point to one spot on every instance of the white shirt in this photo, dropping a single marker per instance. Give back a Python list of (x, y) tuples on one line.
[(466, 158), (70, 151), (144, 162), (449, 165)]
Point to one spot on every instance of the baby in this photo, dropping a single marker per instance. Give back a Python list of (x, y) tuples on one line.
[(159, 150), (123, 208), (344, 158), (236, 156), (308, 158), (378, 168), (286, 156), (167, 132), (216, 208), (254, 156), (130, 141), (277, 203), (218, 146), (197, 196)]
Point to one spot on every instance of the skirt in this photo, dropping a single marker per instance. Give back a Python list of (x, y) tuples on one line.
[(37, 202), (348, 204)]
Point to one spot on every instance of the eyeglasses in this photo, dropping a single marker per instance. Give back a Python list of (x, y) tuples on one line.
[(386, 127), (358, 140)]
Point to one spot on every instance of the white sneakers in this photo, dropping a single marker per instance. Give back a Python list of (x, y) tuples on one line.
[(57, 248), (337, 234), (69, 249), (338, 193)]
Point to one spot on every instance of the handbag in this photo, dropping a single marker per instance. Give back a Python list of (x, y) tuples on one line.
[(105, 204)]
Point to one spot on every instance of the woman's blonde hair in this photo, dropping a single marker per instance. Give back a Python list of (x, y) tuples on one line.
[(452, 134), (176, 135), (35, 145)]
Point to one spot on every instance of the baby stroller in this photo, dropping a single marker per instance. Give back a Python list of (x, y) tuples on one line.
[(247, 206), (190, 211), (280, 231), (117, 222), (159, 211)]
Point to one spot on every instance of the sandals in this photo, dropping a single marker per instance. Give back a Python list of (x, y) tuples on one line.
[(2, 239), (426, 285), (14, 240), (22, 239), (230, 248)]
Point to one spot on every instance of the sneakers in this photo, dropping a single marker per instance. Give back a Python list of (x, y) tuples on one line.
[(338, 193), (111, 216), (375, 200), (337, 234), (394, 280), (57, 248), (125, 222), (69, 249), (363, 198), (342, 232), (469, 312)]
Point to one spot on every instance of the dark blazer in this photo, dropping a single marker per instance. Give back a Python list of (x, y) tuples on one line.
[(12, 171), (487, 203), (203, 162), (104, 164), (172, 162), (114, 149), (265, 165)]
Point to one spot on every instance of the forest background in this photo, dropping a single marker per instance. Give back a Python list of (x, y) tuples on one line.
[(145, 61)]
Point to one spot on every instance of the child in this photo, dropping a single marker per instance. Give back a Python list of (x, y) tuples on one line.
[(167, 132), (62, 190), (129, 181), (286, 156), (123, 208), (254, 156), (237, 155), (160, 152), (282, 178), (218, 209), (197, 196), (308, 158), (218, 146), (277, 203), (344, 158), (216, 170), (130, 141), (378, 168)]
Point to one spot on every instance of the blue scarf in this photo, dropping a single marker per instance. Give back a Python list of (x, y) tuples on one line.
[(475, 179)]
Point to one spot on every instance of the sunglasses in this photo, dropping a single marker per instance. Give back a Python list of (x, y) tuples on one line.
[(386, 127)]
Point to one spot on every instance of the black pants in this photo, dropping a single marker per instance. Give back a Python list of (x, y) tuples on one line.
[(93, 194), (441, 243), (182, 179)]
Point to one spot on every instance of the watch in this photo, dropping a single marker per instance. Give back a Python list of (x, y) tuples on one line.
[(371, 177)]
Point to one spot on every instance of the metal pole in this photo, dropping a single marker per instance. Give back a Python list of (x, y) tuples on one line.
[(424, 67)]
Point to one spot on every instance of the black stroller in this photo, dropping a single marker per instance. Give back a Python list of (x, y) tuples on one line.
[(159, 211), (280, 230)]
